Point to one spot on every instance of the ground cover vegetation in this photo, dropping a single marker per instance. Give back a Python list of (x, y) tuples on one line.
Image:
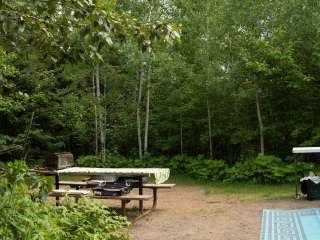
[(220, 90), (25, 214)]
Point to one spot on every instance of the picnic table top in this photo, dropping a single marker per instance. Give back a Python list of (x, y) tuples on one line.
[(159, 175)]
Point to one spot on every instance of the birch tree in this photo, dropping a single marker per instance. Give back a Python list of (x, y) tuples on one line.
[(207, 39), (95, 113), (139, 100)]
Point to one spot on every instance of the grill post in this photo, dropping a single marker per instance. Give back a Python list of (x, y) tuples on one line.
[(140, 193), (56, 176)]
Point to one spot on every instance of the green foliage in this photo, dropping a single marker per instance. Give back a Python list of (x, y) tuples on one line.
[(17, 175), (89, 161), (23, 216), (179, 164), (49, 49), (10, 100), (207, 169), (117, 160), (262, 169), (266, 169), (91, 220)]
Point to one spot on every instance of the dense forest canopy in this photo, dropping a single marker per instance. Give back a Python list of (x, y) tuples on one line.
[(227, 79)]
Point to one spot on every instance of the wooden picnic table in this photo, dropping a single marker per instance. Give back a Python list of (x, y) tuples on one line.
[(157, 175)]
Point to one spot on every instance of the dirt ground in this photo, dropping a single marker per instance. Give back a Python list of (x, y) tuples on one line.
[(188, 213)]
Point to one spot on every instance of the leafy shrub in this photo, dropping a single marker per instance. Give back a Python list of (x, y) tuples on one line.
[(113, 160), (89, 161), (17, 172), (179, 164), (24, 217), (207, 169), (91, 220), (265, 169), (159, 161), (116, 160)]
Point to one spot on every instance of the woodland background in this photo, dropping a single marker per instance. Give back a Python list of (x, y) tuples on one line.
[(224, 80)]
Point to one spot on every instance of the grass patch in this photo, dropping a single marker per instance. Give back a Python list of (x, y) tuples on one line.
[(240, 191)]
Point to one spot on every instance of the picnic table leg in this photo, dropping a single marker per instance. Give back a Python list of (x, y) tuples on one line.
[(155, 198), (57, 187), (123, 207), (77, 188), (140, 193)]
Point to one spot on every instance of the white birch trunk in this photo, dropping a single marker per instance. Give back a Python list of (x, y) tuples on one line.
[(207, 81), (260, 121), (100, 114), (95, 114), (140, 76), (209, 128), (146, 129), (148, 68), (105, 117)]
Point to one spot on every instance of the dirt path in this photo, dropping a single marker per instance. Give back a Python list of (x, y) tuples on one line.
[(187, 213)]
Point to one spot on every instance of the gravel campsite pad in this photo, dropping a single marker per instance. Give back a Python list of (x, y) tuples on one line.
[(187, 212)]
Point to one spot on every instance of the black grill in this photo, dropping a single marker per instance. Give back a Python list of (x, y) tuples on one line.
[(117, 188)]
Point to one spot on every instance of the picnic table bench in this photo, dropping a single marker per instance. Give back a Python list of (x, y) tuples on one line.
[(125, 198), (71, 193), (83, 193)]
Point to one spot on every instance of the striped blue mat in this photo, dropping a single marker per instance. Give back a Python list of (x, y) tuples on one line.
[(299, 224)]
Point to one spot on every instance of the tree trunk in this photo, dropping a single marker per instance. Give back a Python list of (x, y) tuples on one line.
[(100, 114), (95, 114), (140, 77), (209, 128), (260, 121), (26, 138), (105, 117), (146, 129), (147, 66), (207, 80), (181, 136)]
